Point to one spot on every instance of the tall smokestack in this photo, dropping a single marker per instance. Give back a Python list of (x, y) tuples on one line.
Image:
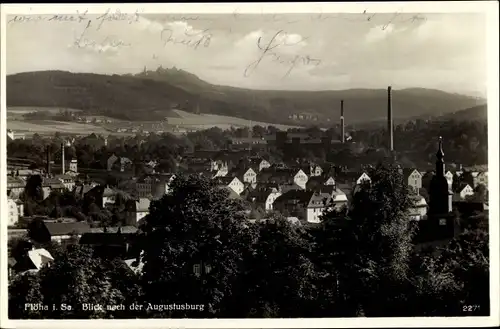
[(389, 119), (342, 132), (48, 160), (62, 159)]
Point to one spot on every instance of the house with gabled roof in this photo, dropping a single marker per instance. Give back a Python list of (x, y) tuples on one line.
[(222, 170), (51, 184), (141, 208), (315, 182), (111, 161), (329, 180), (81, 189), (67, 180), (233, 182), (244, 174), (315, 170), (276, 176), (43, 231), (317, 205), (293, 203), (263, 198), (115, 241), (231, 193), (480, 178), (15, 211), (418, 210), (462, 191), (15, 186), (413, 179), (263, 164), (449, 178), (31, 261)]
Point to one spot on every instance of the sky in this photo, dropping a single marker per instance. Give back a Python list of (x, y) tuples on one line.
[(293, 52)]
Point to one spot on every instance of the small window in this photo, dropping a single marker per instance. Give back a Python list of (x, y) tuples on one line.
[(442, 222), (208, 269), (196, 269)]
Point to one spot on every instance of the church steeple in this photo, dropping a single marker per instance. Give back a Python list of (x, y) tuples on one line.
[(440, 159), (439, 193)]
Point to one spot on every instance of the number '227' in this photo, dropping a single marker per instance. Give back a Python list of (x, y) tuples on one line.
[(470, 308)]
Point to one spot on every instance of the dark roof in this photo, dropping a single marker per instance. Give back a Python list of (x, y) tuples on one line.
[(408, 171), (267, 185), (319, 200), (274, 175), (203, 154), (12, 262), (300, 196), (55, 228), (259, 195), (316, 180), (52, 182), (65, 177), (248, 140), (349, 176), (82, 189), (460, 187), (123, 230), (106, 238), (225, 180), (232, 194), (323, 188), (15, 182)]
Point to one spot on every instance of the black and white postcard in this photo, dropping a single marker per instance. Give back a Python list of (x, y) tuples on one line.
[(248, 165)]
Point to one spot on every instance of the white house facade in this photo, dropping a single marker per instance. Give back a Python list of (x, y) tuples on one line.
[(236, 185), (250, 176), (300, 179), (270, 199)]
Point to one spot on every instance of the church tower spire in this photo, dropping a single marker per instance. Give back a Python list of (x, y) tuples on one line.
[(440, 196), (440, 159)]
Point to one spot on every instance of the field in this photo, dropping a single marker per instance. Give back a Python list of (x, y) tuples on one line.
[(182, 122), (204, 121), (29, 109), (51, 127)]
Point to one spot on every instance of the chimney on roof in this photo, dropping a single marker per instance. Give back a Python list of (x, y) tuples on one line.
[(389, 119), (342, 132)]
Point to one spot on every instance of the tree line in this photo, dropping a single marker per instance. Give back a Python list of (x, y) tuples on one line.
[(465, 142)]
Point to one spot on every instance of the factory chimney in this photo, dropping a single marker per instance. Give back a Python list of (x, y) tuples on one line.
[(48, 160), (342, 132), (62, 159), (389, 119)]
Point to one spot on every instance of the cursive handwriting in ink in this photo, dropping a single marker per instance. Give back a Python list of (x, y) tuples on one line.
[(293, 61), (393, 17), (108, 16), (82, 41), (189, 38), (26, 18), (368, 16), (266, 52), (78, 18)]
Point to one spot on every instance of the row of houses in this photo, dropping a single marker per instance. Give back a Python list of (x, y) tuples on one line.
[(118, 241)]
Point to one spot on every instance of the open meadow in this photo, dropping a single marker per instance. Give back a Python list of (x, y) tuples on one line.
[(182, 122)]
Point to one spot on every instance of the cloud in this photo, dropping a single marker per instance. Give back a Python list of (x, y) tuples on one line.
[(379, 33), (353, 54)]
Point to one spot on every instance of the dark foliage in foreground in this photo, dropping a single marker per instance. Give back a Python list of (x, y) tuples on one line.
[(198, 248)]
